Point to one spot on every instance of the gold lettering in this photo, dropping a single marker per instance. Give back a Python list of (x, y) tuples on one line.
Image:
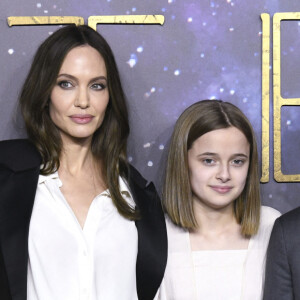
[(125, 19), (278, 101), (44, 20), (265, 135)]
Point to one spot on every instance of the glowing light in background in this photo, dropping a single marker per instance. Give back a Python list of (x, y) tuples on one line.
[(177, 72), (140, 49), (150, 163), (132, 61)]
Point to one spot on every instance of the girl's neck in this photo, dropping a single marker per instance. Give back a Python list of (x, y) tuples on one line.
[(213, 220), (217, 229)]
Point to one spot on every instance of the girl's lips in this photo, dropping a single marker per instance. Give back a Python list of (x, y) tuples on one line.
[(81, 119), (221, 189)]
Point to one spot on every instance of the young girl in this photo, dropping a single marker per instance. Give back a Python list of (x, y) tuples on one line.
[(217, 230)]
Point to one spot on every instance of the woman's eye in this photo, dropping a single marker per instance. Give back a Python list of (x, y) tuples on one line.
[(65, 84), (98, 86)]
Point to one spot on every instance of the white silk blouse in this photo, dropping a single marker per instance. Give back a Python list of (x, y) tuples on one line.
[(67, 262)]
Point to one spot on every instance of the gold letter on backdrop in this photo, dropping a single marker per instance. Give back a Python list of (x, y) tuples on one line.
[(126, 19), (44, 20), (278, 100), (92, 20), (265, 135)]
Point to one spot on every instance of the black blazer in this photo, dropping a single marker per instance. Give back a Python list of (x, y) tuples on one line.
[(282, 280), (19, 172)]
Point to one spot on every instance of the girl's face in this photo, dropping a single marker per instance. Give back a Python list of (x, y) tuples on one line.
[(218, 167), (80, 95)]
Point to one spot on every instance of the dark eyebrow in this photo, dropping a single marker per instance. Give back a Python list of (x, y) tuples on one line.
[(240, 154), (98, 78), (74, 78), (208, 153), (216, 154)]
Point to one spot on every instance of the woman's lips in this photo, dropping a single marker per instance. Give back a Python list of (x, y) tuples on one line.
[(81, 119), (221, 189)]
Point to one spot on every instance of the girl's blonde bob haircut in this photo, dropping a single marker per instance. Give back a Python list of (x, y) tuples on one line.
[(198, 119)]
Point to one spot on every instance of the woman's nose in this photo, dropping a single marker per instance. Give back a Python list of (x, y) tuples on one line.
[(82, 99)]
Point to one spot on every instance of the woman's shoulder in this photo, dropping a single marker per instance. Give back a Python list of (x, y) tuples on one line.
[(144, 192), (18, 155), (135, 176)]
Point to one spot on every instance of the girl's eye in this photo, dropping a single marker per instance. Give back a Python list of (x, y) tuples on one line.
[(65, 84), (208, 161), (238, 162), (98, 86)]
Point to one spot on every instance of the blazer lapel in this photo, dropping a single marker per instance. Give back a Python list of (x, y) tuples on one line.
[(152, 237), (18, 183), (19, 171)]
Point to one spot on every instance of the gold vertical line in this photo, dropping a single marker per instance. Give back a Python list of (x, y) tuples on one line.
[(265, 136), (276, 97), (279, 101)]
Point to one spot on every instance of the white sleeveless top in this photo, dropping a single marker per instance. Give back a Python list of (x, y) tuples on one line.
[(219, 274), (233, 274)]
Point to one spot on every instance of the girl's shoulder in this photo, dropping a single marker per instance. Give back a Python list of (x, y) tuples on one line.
[(178, 237), (267, 219), (173, 228), (268, 215)]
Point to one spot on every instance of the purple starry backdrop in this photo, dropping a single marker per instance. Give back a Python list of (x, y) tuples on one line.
[(205, 50)]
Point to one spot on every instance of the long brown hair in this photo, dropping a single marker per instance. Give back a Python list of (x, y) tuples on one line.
[(109, 141), (198, 119)]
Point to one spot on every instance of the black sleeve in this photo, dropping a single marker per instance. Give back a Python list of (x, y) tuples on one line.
[(278, 278), (4, 290)]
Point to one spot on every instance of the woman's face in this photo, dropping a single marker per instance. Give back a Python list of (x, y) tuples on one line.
[(80, 96), (218, 166)]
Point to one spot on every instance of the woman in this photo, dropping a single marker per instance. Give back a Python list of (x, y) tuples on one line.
[(76, 221), (217, 231)]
